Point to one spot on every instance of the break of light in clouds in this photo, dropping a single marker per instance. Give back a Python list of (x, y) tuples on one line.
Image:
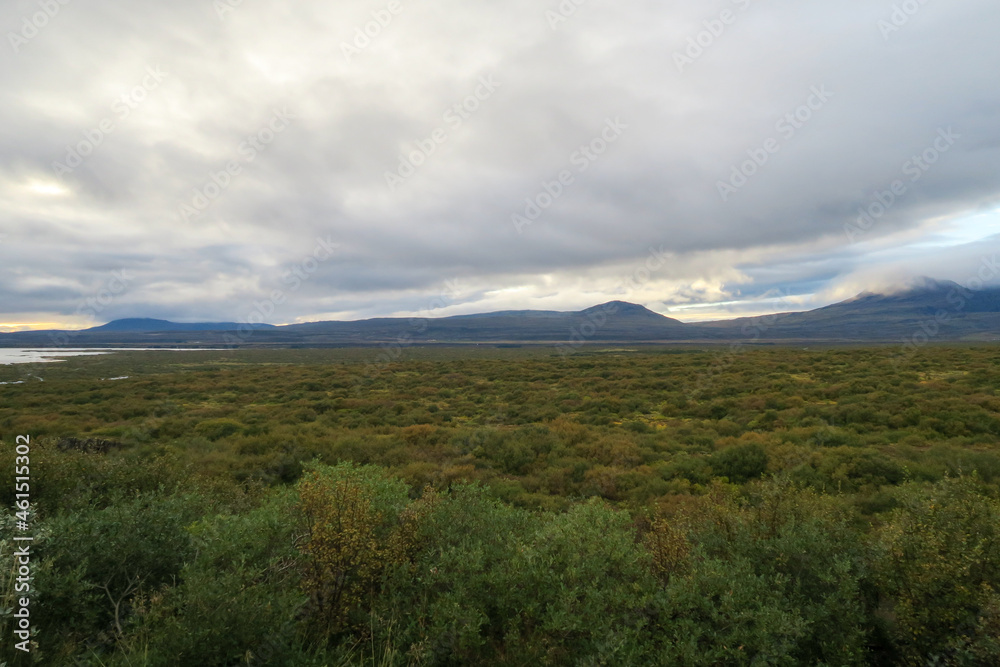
[(196, 157)]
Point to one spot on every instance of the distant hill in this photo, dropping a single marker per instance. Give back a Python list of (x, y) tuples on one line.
[(958, 314), (945, 308), (146, 325), (616, 320)]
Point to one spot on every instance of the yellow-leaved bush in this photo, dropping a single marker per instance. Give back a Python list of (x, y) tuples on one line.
[(358, 522)]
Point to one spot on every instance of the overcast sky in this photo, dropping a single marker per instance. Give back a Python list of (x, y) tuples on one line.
[(198, 161)]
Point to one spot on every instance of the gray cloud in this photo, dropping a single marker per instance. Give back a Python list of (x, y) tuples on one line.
[(323, 175)]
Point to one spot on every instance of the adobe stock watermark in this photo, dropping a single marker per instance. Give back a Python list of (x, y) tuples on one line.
[(294, 277), (248, 150), (958, 300), (32, 26), (393, 351), (712, 31), (122, 108), (787, 127), (225, 7), (915, 168), (364, 35), (454, 117), (752, 331), (902, 14), (91, 307), (598, 319), (581, 159), (565, 11)]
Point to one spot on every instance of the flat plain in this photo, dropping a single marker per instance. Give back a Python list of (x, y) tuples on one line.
[(484, 505)]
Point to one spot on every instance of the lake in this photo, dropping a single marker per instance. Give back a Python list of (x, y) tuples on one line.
[(28, 356), (14, 355)]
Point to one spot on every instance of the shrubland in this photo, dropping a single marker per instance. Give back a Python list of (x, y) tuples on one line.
[(780, 506)]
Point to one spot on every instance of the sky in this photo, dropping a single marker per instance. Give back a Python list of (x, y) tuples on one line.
[(223, 160)]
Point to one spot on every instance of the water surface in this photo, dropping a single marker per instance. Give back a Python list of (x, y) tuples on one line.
[(13, 355), (31, 355)]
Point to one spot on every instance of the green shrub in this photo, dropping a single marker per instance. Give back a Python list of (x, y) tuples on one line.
[(769, 578), (238, 598), (216, 429), (740, 463), (451, 603), (103, 560), (939, 575)]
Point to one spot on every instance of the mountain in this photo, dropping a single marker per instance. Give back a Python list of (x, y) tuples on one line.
[(615, 320), (146, 325), (939, 310)]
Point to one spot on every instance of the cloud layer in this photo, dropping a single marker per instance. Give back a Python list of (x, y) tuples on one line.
[(350, 160)]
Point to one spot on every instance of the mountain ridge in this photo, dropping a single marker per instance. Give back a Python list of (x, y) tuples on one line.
[(948, 309), (150, 325)]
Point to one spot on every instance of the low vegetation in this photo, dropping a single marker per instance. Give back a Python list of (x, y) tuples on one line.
[(779, 506)]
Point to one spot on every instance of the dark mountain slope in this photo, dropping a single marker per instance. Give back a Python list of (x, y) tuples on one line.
[(944, 308), (146, 325)]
